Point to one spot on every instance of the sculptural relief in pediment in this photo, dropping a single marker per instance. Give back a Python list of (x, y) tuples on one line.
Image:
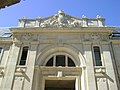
[(61, 20)]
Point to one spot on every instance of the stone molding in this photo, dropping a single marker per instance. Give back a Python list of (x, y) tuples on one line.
[(64, 70), (61, 38), (5, 40), (60, 35)]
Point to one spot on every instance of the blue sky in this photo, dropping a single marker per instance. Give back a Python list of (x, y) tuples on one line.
[(109, 9)]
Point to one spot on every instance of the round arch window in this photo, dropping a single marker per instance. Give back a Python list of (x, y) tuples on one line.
[(60, 60)]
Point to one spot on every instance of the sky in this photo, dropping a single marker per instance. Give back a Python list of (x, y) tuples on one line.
[(108, 9)]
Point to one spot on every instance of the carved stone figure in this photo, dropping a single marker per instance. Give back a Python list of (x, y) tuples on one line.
[(61, 20), (61, 17)]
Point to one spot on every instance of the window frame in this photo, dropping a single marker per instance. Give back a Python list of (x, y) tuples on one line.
[(1, 54), (20, 56), (57, 64), (54, 60), (94, 59)]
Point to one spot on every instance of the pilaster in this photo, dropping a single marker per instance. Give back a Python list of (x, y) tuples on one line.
[(77, 84), (90, 77), (11, 66), (30, 67), (110, 73), (37, 81), (83, 79)]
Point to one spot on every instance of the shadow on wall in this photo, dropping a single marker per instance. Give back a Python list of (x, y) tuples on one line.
[(108, 77)]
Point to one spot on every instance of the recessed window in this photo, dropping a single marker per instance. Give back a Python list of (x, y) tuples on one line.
[(97, 56), (24, 56), (70, 62), (7, 35), (1, 50), (50, 62), (60, 60)]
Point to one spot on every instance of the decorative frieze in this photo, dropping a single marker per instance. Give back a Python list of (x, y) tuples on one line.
[(61, 38), (96, 37)]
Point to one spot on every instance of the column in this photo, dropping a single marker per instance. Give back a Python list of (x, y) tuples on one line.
[(110, 73), (11, 66), (37, 81), (90, 77), (30, 67), (43, 84)]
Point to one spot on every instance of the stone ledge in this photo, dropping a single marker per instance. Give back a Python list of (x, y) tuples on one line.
[(57, 71)]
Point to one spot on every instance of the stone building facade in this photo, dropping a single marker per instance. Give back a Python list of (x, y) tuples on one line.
[(60, 52)]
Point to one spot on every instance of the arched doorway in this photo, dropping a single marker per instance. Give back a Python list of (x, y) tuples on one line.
[(59, 69)]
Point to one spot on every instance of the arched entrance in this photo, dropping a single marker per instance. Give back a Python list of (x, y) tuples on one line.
[(59, 68)]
